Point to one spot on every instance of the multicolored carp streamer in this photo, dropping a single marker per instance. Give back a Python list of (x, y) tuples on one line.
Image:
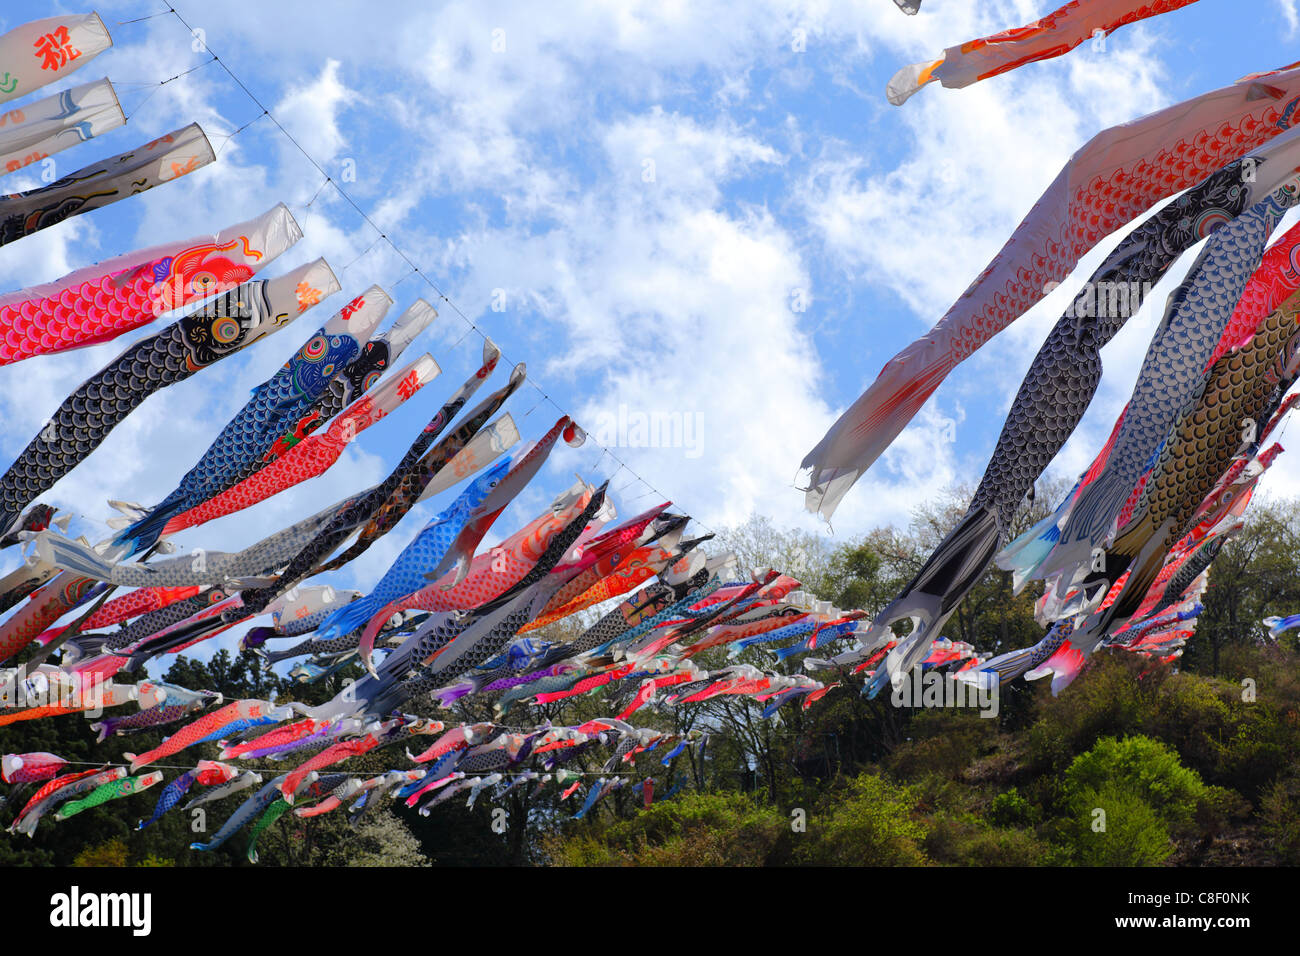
[(102, 301), (280, 400), (43, 51), (312, 454), (1051, 36), (1116, 177), (159, 161), (109, 791), (298, 454), (37, 131)]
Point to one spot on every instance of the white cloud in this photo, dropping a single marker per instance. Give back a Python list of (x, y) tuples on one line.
[(1290, 14), (310, 112)]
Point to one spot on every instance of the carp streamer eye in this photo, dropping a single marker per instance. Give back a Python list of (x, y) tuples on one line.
[(225, 330)]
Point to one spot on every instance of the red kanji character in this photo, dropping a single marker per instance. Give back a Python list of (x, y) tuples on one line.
[(55, 50), (408, 386), (352, 307)]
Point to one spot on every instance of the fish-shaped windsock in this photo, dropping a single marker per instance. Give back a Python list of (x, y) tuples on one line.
[(1205, 438), (93, 187), (1275, 624), (23, 580), (337, 797), (313, 454), (617, 573), (470, 643), (377, 356), (100, 302), (342, 750), (138, 602), (272, 740), (220, 328), (109, 791), (318, 736), (493, 440), (43, 51), (492, 573), (31, 767), (1276, 278), (94, 695), (345, 398), (269, 816), (407, 573), (1113, 179), (1065, 374), (242, 780), (41, 129), (82, 646), (484, 626), (281, 398), (458, 784), (525, 466), (362, 507), (415, 478), (594, 792), (57, 791), (1171, 371), (198, 568), (208, 773), (1053, 35), (178, 704), (209, 725), (63, 592), (244, 815)]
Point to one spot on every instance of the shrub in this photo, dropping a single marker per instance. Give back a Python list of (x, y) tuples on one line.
[(694, 829), (873, 824), (967, 840), (1279, 812), (1130, 833), (1144, 768), (1010, 809)]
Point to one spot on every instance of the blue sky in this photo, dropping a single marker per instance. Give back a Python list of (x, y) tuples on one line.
[(650, 190)]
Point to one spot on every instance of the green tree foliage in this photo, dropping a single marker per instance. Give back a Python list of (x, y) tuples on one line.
[(699, 829), (872, 823)]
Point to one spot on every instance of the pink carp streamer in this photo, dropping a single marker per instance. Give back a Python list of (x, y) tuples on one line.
[(100, 302), (1114, 178)]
